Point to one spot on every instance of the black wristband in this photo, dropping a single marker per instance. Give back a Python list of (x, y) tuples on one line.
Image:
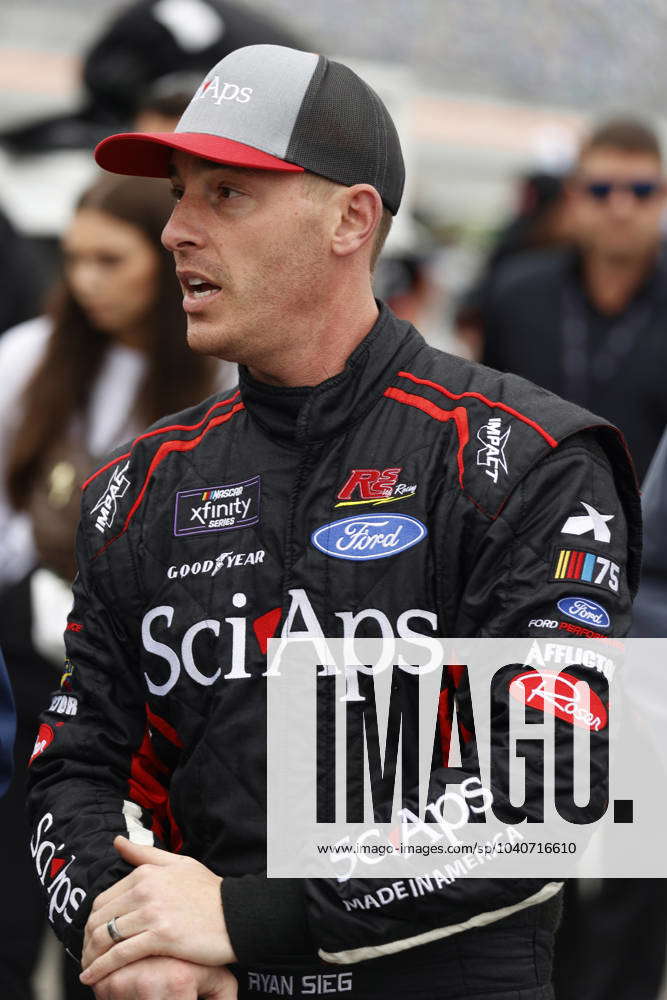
[(266, 919)]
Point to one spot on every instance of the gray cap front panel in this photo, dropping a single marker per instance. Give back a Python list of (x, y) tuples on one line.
[(252, 96)]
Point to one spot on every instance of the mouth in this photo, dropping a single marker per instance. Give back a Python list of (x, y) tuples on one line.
[(197, 290)]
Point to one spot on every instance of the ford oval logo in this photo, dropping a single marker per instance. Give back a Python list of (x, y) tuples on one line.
[(584, 610), (369, 536)]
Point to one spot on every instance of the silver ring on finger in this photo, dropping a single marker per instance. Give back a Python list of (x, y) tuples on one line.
[(114, 933)]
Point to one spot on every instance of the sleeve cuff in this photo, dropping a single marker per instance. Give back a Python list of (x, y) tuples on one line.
[(266, 919)]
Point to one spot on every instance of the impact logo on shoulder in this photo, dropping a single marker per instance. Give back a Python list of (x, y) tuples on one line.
[(369, 536), (217, 508), (583, 610), (493, 437), (106, 507)]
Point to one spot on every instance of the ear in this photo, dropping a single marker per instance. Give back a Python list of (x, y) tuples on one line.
[(360, 210)]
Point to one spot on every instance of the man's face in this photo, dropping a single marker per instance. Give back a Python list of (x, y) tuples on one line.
[(617, 201), (251, 251)]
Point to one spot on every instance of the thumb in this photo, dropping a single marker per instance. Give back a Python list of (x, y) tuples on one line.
[(143, 854)]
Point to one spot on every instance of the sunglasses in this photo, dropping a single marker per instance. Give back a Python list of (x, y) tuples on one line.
[(641, 190)]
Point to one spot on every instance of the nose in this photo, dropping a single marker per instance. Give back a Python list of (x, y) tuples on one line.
[(622, 202), (84, 278), (182, 230)]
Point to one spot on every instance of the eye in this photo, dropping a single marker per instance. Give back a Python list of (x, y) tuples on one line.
[(227, 192), (176, 193)]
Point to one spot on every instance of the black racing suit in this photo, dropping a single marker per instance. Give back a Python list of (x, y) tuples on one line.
[(201, 540)]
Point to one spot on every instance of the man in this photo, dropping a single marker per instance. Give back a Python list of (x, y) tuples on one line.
[(589, 324), (203, 538)]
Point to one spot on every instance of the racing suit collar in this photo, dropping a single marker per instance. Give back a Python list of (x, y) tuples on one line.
[(307, 414)]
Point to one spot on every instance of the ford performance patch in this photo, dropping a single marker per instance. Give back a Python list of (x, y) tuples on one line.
[(369, 536), (217, 508), (583, 610)]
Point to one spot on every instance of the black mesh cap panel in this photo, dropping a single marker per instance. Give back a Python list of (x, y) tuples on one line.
[(344, 132)]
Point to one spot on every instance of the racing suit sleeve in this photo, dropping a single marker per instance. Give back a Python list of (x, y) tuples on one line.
[(512, 588), (91, 775)]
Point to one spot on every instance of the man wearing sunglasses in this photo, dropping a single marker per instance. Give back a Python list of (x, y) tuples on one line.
[(588, 322)]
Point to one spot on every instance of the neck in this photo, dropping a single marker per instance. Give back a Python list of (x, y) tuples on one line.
[(612, 282), (319, 347)]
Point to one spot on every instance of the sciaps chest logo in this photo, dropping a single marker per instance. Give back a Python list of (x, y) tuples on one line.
[(582, 609), (369, 536)]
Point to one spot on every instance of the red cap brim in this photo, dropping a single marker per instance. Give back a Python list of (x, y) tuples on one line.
[(146, 154)]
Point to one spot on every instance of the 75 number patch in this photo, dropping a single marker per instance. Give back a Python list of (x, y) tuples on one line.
[(586, 567)]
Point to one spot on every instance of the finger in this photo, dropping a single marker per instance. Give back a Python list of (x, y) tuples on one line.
[(143, 854), (149, 980), (117, 906), (122, 954), (115, 891), (97, 938), (100, 940)]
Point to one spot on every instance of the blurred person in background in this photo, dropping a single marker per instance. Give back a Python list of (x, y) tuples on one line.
[(164, 102), (541, 220), (142, 43), (406, 278), (108, 358), (7, 728), (129, 79), (589, 323), (22, 280)]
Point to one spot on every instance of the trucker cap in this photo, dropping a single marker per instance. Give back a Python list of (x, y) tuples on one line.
[(274, 108)]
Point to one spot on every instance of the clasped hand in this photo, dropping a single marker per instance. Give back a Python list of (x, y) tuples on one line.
[(169, 905)]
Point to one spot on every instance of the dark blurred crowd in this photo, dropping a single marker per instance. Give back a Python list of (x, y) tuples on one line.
[(572, 295)]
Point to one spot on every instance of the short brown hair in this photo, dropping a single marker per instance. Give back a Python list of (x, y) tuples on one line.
[(629, 135)]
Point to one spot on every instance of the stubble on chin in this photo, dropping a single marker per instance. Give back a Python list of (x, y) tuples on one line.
[(212, 343)]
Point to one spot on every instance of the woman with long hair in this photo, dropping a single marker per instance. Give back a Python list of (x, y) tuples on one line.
[(108, 358)]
